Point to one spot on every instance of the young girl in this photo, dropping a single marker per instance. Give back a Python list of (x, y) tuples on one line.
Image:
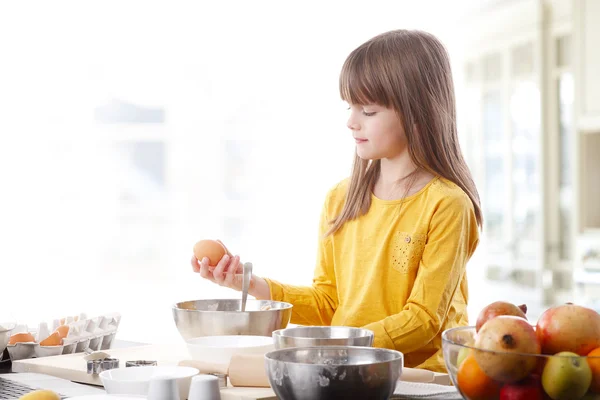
[(396, 236)]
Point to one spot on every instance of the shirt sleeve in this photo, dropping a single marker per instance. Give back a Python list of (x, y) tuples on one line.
[(452, 238), (316, 304)]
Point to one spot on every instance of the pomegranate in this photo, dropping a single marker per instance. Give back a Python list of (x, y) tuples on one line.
[(569, 327), (498, 308), (506, 348)]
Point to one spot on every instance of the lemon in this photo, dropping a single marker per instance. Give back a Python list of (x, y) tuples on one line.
[(41, 395)]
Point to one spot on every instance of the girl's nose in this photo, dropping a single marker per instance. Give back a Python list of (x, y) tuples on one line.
[(352, 124)]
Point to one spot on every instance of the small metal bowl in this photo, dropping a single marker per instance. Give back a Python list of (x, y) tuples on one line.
[(333, 372), (310, 336)]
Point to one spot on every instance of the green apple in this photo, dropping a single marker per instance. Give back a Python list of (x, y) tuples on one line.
[(566, 376)]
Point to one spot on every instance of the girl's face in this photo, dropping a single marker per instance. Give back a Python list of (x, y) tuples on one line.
[(377, 131)]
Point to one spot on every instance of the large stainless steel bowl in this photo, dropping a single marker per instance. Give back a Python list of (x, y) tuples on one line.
[(310, 336), (221, 317), (333, 372)]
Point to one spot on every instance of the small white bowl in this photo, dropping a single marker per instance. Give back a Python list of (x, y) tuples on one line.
[(136, 380), (220, 349)]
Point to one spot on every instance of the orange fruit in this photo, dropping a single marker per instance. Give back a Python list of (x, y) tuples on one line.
[(594, 363), (474, 383), (211, 249)]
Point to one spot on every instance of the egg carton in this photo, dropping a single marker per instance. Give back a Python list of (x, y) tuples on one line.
[(84, 333)]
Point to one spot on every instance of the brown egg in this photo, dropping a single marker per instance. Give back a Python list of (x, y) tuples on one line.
[(53, 340), (211, 249), (21, 338), (62, 331)]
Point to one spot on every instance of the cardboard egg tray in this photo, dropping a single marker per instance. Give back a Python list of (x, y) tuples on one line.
[(95, 333)]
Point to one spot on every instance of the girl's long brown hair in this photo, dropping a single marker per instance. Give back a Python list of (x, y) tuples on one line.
[(407, 71)]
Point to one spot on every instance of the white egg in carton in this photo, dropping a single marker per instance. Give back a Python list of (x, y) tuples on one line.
[(95, 333)]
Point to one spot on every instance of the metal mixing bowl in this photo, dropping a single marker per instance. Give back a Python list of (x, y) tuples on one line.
[(309, 336), (221, 317), (333, 372)]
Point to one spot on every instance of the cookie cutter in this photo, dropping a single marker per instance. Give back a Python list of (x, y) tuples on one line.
[(94, 367), (141, 363)]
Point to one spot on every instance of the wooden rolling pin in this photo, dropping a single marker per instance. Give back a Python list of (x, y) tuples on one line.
[(248, 370)]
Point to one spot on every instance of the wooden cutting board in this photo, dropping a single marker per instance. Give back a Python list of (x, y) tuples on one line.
[(74, 368)]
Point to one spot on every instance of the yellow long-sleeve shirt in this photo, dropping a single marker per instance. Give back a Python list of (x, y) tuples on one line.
[(398, 270)]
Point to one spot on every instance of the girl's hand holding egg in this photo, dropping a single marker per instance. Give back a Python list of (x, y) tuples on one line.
[(215, 263)]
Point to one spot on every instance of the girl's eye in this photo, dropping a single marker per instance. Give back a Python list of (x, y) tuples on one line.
[(369, 114)]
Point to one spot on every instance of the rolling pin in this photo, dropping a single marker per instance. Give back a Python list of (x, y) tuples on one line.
[(248, 370)]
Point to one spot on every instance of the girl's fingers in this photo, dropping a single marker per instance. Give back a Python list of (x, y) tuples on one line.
[(228, 272), (238, 280), (232, 270), (219, 271), (195, 264), (204, 270)]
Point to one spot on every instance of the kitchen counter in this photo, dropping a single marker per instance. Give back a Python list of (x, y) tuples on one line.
[(73, 368)]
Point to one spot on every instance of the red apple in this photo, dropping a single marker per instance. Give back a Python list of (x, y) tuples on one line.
[(506, 348), (569, 327), (498, 308), (528, 389)]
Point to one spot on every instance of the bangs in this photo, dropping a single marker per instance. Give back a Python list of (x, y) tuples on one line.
[(362, 80)]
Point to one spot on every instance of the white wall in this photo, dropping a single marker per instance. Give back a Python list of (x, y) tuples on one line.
[(263, 71)]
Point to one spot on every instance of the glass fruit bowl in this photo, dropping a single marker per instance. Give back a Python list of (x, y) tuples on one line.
[(484, 374)]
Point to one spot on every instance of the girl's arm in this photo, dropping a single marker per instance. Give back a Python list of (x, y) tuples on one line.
[(452, 239), (259, 288)]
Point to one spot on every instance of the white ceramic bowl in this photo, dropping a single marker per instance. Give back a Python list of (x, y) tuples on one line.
[(220, 349), (136, 380)]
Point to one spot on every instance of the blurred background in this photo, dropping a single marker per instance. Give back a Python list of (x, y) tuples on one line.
[(132, 129)]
